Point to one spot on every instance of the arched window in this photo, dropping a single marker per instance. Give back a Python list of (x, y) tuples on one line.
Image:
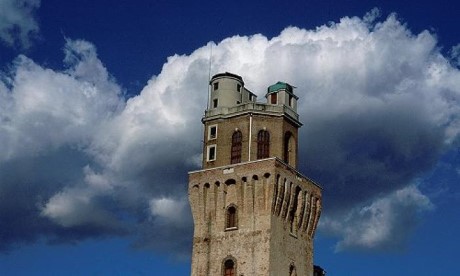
[(231, 217), (236, 147), (229, 268), (263, 144)]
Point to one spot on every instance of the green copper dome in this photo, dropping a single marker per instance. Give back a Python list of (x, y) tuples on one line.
[(281, 86)]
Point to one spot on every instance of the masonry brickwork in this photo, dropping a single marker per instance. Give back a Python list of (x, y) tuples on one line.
[(226, 127), (257, 216), (278, 210)]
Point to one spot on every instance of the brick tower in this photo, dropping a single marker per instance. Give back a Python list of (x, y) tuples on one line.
[(253, 212)]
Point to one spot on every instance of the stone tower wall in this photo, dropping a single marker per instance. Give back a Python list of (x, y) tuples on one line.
[(260, 214), (270, 197), (277, 126), (296, 209)]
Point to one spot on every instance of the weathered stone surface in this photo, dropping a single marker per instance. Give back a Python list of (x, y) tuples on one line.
[(278, 210), (260, 214)]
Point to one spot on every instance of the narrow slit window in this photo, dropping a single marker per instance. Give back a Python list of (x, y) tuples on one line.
[(216, 86)]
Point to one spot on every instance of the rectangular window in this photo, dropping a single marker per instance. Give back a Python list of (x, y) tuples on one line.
[(238, 87), (273, 98), (216, 86), (212, 132), (211, 153), (214, 103), (291, 101)]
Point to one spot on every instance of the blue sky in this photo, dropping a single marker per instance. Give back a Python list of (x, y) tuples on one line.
[(100, 107)]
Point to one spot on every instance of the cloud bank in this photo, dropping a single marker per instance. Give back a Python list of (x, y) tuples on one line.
[(380, 106), (17, 22), (383, 225)]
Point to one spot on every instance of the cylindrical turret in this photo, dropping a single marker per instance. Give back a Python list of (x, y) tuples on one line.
[(226, 90)]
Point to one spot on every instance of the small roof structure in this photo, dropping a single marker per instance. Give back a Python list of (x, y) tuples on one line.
[(281, 86)]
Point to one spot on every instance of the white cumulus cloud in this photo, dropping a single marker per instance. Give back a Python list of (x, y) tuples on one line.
[(385, 224), (170, 210), (380, 106)]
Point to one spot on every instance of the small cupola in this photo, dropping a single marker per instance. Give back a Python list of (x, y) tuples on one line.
[(282, 93)]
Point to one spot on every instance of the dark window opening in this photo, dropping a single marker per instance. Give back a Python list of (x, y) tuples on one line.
[(214, 103), (263, 144), (213, 132), (273, 98), (212, 153), (236, 147), (231, 217), (229, 268), (291, 101), (216, 86), (238, 87)]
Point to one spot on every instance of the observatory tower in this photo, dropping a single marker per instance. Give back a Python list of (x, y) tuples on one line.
[(253, 212)]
